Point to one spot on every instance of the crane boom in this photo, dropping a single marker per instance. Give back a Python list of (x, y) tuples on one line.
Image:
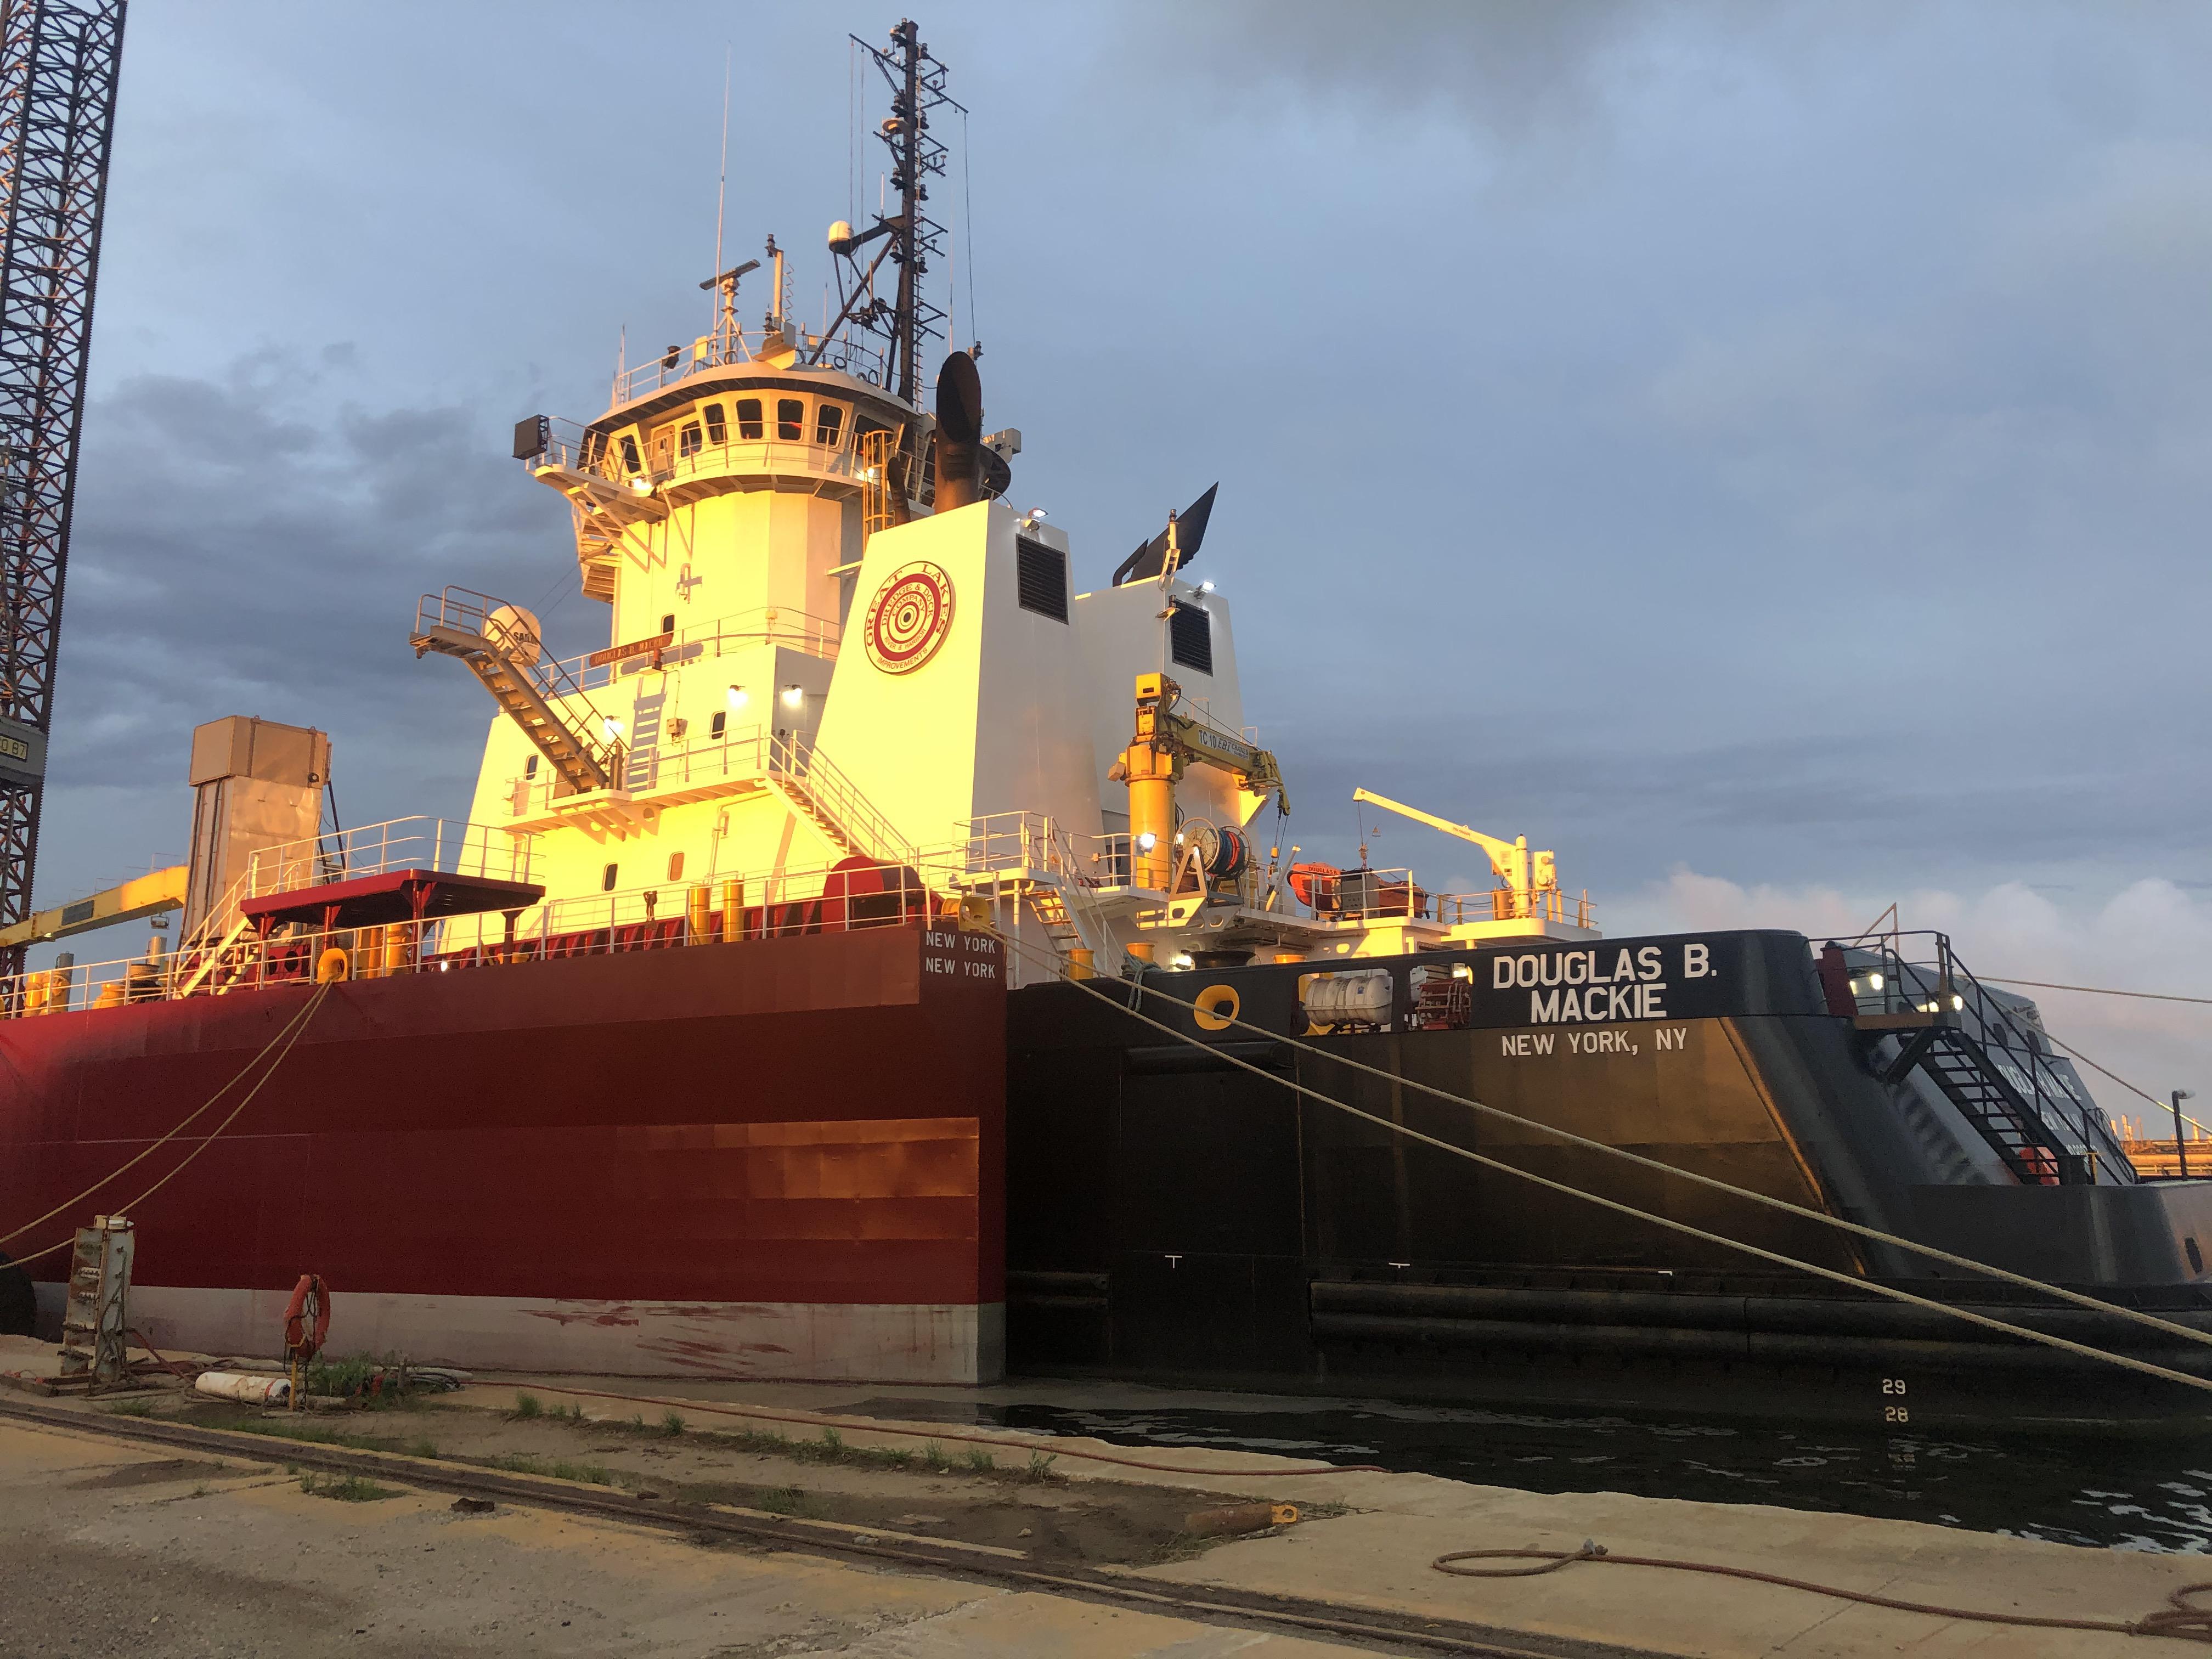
[(58, 61), (1511, 862)]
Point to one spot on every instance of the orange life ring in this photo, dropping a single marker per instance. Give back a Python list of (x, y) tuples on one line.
[(305, 1330)]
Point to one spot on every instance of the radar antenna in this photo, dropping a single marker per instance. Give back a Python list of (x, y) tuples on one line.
[(58, 60), (910, 237)]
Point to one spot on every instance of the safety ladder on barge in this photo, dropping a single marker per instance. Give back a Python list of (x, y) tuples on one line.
[(1930, 1015)]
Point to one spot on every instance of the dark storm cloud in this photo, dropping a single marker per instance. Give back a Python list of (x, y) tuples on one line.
[(1767, 438), (256, 545)]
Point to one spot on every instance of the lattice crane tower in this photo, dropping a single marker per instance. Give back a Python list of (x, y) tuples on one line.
[(58, 61)]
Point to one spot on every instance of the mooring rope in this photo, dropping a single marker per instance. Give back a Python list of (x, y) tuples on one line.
[(1670, 1224), (289, 1036)]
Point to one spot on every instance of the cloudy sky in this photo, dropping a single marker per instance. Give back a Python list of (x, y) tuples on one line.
[(1762, 451)]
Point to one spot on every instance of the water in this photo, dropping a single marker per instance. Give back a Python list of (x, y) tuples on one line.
[(2149, 1494)]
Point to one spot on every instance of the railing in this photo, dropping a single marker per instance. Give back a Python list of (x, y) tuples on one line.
[(451, 847), (1917, 972), (1007, 842), (819, 898), (798, 630), (1504, 904), (465, 611), (730, 350), (796, 759), (576, 448)]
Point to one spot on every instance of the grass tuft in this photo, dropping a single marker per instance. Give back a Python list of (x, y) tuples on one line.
[(528, 1405), (833, 1444), (789, 1500), (421, 1446), (596, 1474), (637, 1420), (673, 1424), (1040, 1469), (933, 1455), (346, 1489), (129, 1408), (980, 1461)]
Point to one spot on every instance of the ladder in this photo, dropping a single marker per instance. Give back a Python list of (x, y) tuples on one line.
[(464, 625), (95, 1317), (1970, 1080), (1049, 906)]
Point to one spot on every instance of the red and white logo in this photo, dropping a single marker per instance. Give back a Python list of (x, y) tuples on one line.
[(909, 618)]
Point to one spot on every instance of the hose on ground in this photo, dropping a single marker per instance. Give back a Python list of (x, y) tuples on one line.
[(2182, 1619)]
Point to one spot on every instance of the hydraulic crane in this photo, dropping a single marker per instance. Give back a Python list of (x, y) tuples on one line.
[(58, 61), (1528, 875)]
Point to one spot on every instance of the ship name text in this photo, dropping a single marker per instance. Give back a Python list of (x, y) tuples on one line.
[(1603, 982)]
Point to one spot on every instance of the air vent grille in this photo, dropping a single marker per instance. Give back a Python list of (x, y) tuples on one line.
[(1041, 577)]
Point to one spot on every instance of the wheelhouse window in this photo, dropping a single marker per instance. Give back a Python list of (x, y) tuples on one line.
[(791, 418), (630, 454), (690, 441), (749, 420), (718, 429), (718, 725), (829, 425), (607, 880)]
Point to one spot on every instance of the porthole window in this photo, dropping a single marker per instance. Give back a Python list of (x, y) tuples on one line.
[(829, 425), (749, 420), (717, 430), (668, 623), (607, 881), (630, 454), (690, 441), (791, 418), (676, 866)]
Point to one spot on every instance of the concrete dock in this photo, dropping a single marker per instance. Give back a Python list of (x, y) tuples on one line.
[(161, 1553)]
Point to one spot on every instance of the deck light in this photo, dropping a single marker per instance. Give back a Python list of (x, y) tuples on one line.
[(794, 696), (736, 697), (1205, 588), (612, 727), (1147, 842), (1875, 980), (1958, 1002)]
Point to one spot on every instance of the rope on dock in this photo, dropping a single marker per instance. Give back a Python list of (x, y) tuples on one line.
[(2182, 1619)]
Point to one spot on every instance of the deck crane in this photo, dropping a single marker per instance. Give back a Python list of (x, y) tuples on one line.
[(1528, 875), (59, 61)]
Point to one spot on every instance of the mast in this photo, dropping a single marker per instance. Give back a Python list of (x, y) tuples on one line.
[(910, 237)]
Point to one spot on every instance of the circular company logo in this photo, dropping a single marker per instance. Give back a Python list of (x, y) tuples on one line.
[(909, 618)]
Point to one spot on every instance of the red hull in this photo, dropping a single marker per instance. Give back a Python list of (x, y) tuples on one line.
[(817, 1120)]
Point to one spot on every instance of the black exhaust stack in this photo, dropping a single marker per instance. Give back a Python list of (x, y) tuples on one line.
[(959, 434)]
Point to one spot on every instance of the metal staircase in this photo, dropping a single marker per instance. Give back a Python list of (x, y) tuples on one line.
[(529, 687), (830, 801), (1049, 906), (1982, 1056)]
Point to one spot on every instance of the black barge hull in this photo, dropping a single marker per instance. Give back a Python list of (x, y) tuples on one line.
[(1175, 1218)]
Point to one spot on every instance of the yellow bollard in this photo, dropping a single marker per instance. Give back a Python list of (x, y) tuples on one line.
[(733, 910), (1142, 951), (699, 908), (1080, 962), (369, 945), (398, 956)]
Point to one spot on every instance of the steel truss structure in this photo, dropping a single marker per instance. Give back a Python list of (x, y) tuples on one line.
[(58, 64), (911, 238)]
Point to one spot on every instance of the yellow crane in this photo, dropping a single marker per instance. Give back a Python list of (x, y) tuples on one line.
[(147, 896), (1528, 875)]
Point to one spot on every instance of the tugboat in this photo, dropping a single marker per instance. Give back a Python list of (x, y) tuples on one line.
[(884, 960)]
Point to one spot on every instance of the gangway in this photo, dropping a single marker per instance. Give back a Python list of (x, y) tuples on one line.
[(502, 648)]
